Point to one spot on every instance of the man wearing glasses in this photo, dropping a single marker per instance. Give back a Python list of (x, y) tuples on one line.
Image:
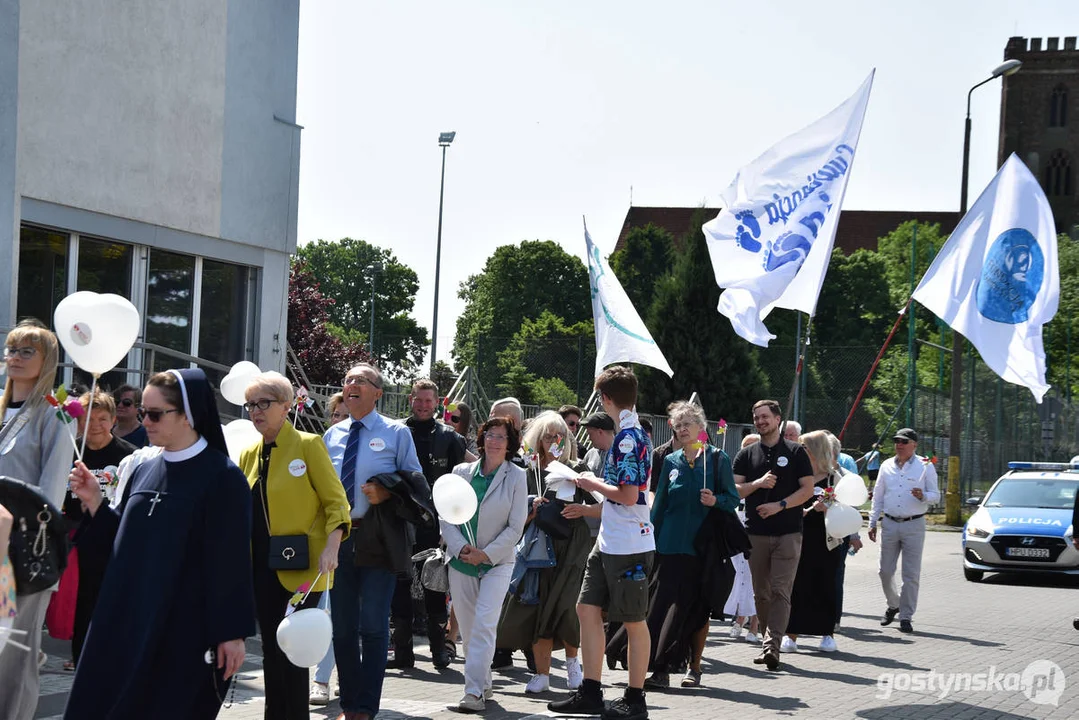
[(906, 487), (363, 446), (128, 426)]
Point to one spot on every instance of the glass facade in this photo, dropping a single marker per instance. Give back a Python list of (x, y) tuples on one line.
[(42, 272), (172, 290)]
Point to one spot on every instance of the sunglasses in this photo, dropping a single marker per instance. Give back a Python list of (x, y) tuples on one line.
[(572, 423), (126, 402), (455, 418), (901, 441), (156, 415)]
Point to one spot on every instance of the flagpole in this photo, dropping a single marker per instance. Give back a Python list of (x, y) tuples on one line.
[(797, 376), (873, 369)]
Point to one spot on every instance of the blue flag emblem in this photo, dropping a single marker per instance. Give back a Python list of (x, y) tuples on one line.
[(1011, 277)]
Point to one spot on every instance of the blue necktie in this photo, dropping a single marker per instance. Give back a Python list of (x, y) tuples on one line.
[(348, 464)]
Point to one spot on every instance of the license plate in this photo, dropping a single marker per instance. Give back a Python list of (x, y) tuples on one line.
[(1027, 552)]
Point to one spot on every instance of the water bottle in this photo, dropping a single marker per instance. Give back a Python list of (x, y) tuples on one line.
[(638, 573), (852, 551)]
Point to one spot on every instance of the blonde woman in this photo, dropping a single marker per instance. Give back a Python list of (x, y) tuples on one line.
[(295, 491), (34, 447), (553, 621), (813, 598)]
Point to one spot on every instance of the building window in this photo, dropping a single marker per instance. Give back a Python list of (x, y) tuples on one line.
[(169, 306), (1058, 107), (225, 315), (42, 272), (1058, 175)]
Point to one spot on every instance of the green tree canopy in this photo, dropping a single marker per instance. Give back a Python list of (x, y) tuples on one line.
[(699, 343), (643, 259), (517, 282), (341, 270)]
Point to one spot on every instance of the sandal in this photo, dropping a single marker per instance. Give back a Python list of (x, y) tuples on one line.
[(69, 665)]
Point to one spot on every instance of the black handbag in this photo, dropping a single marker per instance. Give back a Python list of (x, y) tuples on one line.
[(38, 547), (289, 552), (549, 519)]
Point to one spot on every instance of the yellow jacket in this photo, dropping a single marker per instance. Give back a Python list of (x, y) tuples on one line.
[(305, 497)]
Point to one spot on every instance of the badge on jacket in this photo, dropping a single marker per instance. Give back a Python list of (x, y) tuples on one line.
[(297, 467)]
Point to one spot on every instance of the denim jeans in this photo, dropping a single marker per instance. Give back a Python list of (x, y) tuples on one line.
[(360, 608)]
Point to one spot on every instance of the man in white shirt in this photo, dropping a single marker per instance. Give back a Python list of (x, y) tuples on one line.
[(906, 487)]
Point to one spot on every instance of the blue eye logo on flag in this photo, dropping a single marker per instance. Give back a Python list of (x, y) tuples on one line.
[(1011, 277)]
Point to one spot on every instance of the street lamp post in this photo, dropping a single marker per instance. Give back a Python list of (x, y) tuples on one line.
[(444, 140), (373, 270), (951, 505)]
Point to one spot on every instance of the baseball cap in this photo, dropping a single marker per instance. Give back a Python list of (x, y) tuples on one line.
[(599, 421), (905, 434)]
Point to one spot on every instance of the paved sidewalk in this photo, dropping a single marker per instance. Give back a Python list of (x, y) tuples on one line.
[(1001, 625)]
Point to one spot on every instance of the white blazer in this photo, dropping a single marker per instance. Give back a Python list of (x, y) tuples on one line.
[(502, 514)]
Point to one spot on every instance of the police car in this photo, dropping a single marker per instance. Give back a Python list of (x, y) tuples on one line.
[(1024, 523)]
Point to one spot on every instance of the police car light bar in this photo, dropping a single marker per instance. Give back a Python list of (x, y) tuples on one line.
[(1017, 465)]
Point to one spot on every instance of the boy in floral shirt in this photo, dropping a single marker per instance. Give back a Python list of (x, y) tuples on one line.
[(616, 577)]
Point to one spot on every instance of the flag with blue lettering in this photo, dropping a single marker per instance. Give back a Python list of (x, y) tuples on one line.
[(771, 244), (996, 281), (621, 335)]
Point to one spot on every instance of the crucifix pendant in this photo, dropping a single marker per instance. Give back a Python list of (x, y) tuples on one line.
[(153, 503)]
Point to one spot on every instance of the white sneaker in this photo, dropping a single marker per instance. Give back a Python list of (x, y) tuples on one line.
[(538, 684), (827, 644), (788, 645), (320, 694), (736, 630), (471, 704), (753, 638), (574, 673)]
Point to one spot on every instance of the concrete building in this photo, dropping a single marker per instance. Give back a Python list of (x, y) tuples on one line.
[(1039, 122), (150, 149)]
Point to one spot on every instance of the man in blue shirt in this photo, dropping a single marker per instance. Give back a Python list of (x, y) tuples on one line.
[(365, 445)]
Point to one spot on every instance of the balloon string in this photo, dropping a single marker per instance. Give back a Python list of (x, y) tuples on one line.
[(89, 410)]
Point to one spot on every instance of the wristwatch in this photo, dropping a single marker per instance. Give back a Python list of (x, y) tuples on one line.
[(783, 504)]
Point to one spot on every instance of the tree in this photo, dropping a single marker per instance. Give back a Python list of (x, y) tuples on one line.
[(324, 358), (549, 348), (341, 270), (443, 376), (642, 260), (517, 281), (700, 345)]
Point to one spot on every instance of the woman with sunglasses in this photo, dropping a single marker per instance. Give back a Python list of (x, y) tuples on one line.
[(34, 447), (297, 502), (177, 600), (128, 427), (552, 623), (461, 420), (482, 557)]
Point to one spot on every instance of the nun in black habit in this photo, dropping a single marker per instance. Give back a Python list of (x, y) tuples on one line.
[(177, 600)]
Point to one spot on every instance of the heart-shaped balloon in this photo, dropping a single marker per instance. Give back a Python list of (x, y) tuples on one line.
[(305, 636), (239, 435), (96, 330), (235, 383)]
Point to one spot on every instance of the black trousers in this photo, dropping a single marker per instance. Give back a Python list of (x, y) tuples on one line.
[(403, 611), (286, 685)]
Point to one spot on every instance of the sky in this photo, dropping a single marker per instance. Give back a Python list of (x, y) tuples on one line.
[(568, 109)]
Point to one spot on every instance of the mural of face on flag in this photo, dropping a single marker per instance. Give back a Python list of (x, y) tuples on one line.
[(1011, 277)]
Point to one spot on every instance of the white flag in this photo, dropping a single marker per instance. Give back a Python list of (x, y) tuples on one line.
[(621, 335), (771, 244), (996, 281)]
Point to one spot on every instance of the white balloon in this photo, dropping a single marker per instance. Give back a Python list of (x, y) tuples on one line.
[(842, 520), (240, 435), (235, 383), (305, 636), (851, 490), (96, 330), (454, 499)]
